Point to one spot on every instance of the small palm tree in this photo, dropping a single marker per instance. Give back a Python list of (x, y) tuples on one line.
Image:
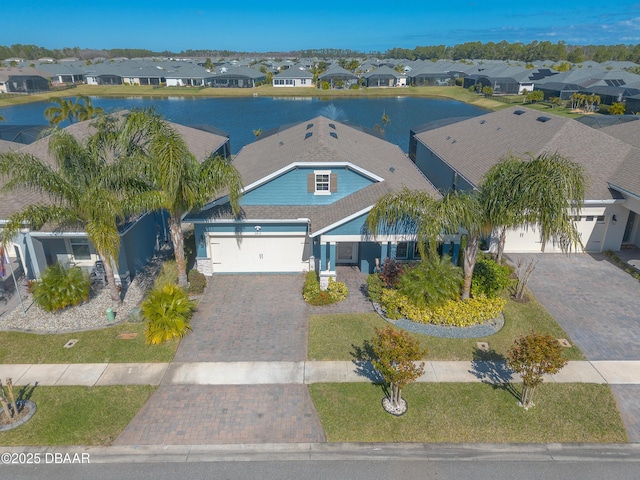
[(63, 110), (431, 283), (168, 311)]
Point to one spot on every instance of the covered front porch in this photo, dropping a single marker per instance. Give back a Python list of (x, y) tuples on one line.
[(331, 254)]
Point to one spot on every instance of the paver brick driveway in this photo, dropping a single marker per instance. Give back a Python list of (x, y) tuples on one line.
[(240, 318), (595, 302), (243, 318)]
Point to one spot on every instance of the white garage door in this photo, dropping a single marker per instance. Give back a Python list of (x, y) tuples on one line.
[(262, 253)]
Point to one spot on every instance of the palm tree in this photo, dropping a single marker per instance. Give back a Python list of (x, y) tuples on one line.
[(81, 109), (178, 182), (546, 191), (88, 190), (431, 218), (86, 110), (58, 114), (500, 200)]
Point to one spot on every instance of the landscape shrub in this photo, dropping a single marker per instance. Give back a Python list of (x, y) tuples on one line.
[(390, 272), (374, 287), (489, 278), (338, 291), (168, 311), (197, 282), (454, 313), (335, 292), (61, 287), (431, 283)]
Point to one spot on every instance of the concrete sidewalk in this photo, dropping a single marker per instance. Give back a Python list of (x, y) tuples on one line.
[(270, 373)]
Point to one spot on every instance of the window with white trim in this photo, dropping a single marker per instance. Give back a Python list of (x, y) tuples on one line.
[(80, 248), (322, 182)]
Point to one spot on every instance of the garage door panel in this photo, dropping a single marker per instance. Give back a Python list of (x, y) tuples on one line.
[(258, 254)]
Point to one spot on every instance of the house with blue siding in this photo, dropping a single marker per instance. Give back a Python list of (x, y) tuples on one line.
[(140, 237), (308, 190)]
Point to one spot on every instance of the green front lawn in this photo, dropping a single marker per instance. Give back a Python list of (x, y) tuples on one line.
[(444, 412), (78, 415), (94, 346), (343, 337)]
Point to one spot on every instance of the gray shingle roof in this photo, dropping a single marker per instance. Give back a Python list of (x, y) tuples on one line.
[(472, 146), (627, 176), (349, 145), (201, 144)]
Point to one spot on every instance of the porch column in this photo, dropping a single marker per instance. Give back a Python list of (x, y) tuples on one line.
[(384, 252), (393, 250), (331, 264), (323, 256)]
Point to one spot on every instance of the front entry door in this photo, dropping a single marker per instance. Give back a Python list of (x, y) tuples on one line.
[(347, 253)]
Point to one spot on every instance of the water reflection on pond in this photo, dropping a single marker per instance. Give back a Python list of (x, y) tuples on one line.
[(239, 117)]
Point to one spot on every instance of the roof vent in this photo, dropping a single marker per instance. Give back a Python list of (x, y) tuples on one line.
[(331, 125), (482, 122), (518, 112), (543, 119), (454, 141), (307, 135), (333, 134), (309, 125)]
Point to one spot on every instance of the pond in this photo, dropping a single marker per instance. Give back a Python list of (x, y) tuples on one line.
[(240, 116)]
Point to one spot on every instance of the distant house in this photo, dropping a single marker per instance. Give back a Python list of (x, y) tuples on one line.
[(293, 77), (308, 190), (384, 77), (338, 77), (139, 237), (238, 77), (23, 80), (456, 156)]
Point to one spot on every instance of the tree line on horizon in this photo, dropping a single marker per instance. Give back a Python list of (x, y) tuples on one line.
[(518, 51)]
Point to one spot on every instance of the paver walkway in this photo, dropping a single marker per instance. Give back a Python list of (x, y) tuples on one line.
[(598, 305), (241, 318)]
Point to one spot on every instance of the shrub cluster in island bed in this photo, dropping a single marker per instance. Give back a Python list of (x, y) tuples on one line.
[(197, 282), (335, 292), (60, 288), (454, 313)]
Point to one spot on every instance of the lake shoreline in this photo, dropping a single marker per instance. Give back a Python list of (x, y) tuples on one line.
[(119, 91)]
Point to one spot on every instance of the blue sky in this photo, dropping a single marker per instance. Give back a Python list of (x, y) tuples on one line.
[(281, 26)]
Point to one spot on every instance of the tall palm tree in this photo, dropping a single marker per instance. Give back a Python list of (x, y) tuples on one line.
[(178, 183), (88, 190), (431, 218), (500, 200), (547, 191)]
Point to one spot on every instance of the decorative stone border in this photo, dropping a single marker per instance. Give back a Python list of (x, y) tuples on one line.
[(24, 404), (477, 331)]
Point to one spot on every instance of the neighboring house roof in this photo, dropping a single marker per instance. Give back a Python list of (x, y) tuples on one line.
[(7, 73), (336, 71), (294, 73), (228, 71), (383, 71), (321, 141), (6, 146), (473, 146), (200, 142), (627, 176)]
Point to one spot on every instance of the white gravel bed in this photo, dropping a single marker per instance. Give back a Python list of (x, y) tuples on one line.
[(87, 316)]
